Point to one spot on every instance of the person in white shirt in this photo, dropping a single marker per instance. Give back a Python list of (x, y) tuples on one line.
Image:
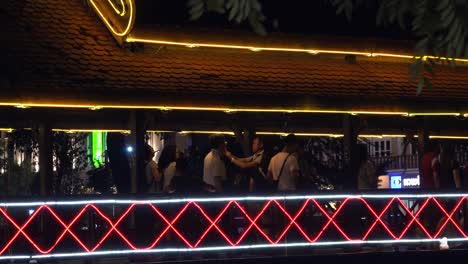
[(284, 167), (152, 175), (214, 170), (167, 165), (252, 162)]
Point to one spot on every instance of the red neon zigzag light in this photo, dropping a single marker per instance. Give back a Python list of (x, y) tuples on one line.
[(213, 223)]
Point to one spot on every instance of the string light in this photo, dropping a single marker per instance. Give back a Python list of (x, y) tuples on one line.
[(265, 133), (434, 114), (251, 48), (233, 198), (194, 108), (225, 109), (382, 136), (91, 130), (255, 48), (448, 137), (206, 132), (300, 134)]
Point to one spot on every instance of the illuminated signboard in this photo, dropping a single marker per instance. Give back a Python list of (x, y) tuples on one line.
[(395, 182), (98, 147), (411, 182), (406, 181)]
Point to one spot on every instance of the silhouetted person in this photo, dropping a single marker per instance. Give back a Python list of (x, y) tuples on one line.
[(430, 166), (167, 166), (118, 161), (367, 178), (152, 173)]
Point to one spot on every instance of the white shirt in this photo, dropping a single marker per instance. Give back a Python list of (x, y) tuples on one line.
[(169, 173), (257, 157), (287, 180), (213, 166)]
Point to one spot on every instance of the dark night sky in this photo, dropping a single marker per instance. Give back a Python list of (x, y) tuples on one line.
[(309, 17)]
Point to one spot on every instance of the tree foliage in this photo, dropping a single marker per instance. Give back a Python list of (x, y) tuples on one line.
[(70, 160), (18, 178), (236, 10), (440, 26)]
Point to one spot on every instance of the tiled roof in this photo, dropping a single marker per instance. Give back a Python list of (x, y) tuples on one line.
[(60, 51)]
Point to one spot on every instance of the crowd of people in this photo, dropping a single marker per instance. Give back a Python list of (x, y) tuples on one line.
[(223, 171), (284, 170), (289, 168)]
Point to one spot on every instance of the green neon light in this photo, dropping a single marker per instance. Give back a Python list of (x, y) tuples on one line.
[(97, 148)]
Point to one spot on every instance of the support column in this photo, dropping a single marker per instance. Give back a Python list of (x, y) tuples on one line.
[(350, 156), (137, 141), (423, 138), (243, 132), (10, 150), (45, 159), (244, 137)]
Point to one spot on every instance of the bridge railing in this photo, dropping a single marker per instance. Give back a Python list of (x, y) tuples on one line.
[(100, 227)]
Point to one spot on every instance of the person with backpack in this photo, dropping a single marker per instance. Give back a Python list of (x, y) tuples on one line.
[(284, 167), (251, 165)]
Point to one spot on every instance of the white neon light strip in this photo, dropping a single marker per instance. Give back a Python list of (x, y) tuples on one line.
[(225, 199), (224, 248)]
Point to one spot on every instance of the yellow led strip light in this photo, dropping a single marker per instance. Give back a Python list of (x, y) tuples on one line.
[(434, 114), (243, 47), (206, 132), (257, 48), (300, 134), (191, 108), (265, 133), (91, 130), (228, 110), (448, 137)]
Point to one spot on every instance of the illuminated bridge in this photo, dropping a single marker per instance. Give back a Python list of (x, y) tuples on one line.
[(254, 225)]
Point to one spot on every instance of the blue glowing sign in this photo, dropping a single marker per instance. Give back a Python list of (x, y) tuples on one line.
[(395, 182)]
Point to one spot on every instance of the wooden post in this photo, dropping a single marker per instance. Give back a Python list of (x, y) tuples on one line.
[(350, 156), (45, 159), (137, 141), (244, 133), (423, 137), (9, 188)]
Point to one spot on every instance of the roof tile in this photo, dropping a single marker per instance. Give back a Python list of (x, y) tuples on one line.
[(75, 39)]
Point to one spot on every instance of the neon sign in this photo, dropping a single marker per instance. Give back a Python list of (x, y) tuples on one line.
[(123, 17), (171, 212), (98, 147)]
